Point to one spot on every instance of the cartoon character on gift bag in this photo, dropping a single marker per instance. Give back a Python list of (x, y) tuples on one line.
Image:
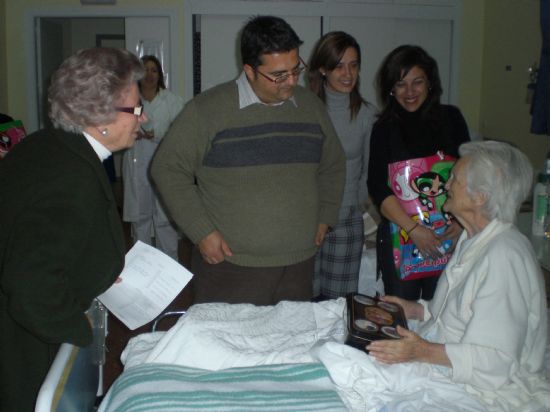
[(11, 133), (402, 189), (419, 185), (430, 185), (5, 144)]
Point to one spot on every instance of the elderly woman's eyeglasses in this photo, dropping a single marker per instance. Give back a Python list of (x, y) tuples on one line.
[(283, 77), (136, 111)]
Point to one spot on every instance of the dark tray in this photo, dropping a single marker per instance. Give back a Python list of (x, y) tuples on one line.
[(371, 319)]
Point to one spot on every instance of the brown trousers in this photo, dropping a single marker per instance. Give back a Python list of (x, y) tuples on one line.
[(230, 283)]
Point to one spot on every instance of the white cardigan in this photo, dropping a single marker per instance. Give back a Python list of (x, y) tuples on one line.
[(490, 311)]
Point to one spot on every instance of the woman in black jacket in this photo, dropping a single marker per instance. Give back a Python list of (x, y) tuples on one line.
[(412, 124), (61, 239)]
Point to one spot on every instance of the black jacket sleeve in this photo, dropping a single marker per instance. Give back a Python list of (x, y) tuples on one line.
[(379, 159)]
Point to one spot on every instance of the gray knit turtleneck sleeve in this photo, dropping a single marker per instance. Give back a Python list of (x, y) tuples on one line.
[(355, 139)]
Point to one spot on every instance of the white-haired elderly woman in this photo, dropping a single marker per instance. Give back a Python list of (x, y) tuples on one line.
[(486, 323), (61, 240)]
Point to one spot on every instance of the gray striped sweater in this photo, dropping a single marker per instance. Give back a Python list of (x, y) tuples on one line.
[(263, 176)]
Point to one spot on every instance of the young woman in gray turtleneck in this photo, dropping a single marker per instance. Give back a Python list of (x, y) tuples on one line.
[(334, 76)]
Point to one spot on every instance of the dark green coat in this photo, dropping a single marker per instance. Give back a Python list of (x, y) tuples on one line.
[(61, 244)]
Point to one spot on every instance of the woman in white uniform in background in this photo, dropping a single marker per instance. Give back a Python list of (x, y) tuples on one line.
[(141, 205)]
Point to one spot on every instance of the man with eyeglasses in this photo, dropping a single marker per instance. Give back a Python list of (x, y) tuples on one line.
[(253, 173)]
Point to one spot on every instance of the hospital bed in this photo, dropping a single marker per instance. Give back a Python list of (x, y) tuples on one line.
[(162, 373)]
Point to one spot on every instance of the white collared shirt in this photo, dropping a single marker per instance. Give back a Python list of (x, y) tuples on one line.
[(101, 151), (248, 97)]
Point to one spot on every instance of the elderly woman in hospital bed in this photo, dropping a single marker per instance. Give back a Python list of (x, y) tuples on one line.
[(486, 325)]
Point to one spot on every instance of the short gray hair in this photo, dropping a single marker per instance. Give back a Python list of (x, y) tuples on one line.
[(501, 173), (85, 88)]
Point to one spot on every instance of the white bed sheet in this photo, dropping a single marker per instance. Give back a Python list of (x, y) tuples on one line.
[(219, 336), (216, 336)]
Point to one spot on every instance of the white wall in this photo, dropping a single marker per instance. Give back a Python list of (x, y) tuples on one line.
[(379, 27), (84, 30)]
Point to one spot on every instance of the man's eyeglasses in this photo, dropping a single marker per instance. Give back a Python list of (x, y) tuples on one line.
[(136, 111), (283, 77)]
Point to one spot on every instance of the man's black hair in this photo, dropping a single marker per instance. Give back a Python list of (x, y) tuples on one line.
[(266, 35)]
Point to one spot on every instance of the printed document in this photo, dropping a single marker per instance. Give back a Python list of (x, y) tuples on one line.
[(148, 283)]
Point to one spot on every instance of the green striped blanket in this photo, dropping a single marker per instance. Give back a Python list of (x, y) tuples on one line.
[(284, 387)]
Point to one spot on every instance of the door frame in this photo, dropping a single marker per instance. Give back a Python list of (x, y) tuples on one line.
[(33, 51)]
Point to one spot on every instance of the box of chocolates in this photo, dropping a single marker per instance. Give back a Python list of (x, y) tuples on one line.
[(370, 319)]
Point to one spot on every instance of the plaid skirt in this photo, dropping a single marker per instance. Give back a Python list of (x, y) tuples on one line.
[(339, 257)]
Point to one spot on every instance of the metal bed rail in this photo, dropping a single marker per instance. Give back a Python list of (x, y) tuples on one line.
[(165, 315)]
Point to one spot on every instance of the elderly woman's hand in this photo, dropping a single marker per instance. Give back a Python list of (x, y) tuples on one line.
[(412, 309), (410, 348), (427, 242)]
